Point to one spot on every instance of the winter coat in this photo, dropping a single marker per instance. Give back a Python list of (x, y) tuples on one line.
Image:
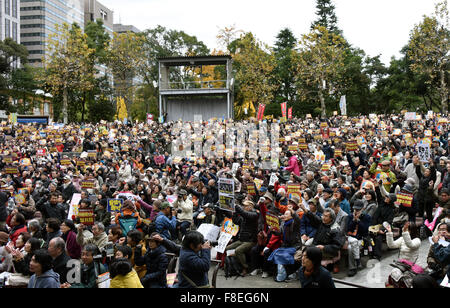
[(249, 227), (60, 266), (103, 216), (125, 174), (23, 266), (328, 236), (129, 281), (195, 266), (306, 228), (293, 165), (363, 226), (15, 232), (52, 211), (68, 191), (48, 280), (89, 274), (425, 193), (6, 262), (156, 263), (165, 225), (442, 254), (187, 208), (100, 240), (320, 279), (73, 248), (291, 233), (409, 249), (3, 204)]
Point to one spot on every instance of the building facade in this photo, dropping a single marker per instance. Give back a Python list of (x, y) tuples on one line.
[(10, 20), (94, 10), (39, 19), (119, 28)]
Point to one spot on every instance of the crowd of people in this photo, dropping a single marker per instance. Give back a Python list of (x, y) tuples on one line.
[(343, 189)]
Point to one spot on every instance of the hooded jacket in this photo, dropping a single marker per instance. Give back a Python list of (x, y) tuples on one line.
[(47, 280), (129, 281)]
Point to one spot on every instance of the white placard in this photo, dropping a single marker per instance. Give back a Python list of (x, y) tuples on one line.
[(424, 152), (73, 210), (224, 239), (273, 179), (210, 232)]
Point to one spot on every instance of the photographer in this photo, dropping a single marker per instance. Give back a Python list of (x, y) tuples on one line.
[(184, 207), (165, 225)]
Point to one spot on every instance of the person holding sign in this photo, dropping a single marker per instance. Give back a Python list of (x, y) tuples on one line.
[(247, 235)]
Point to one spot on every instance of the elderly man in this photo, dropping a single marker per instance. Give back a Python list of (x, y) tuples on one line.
[(384, 174), (328, 238), (100, 238), (247, 235), (57, 250)]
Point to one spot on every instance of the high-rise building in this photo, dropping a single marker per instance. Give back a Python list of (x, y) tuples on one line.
[(39, 19), (10, 20), (94, 10)]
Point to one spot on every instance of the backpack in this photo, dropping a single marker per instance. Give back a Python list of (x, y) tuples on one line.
[(232, 267), (127, 223)]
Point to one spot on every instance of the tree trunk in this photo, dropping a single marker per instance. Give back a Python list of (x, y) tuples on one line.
[(444, 93), (83, 111), (65, 104), (322, 103)]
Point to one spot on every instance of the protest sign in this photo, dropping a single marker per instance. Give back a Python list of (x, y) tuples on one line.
[(92, 154), (405, 199), (352, 146), (88, 184), (251, 189), (424, 152), (226, 194), (224, 239), (273, 221), (273, 179), (210, 232), (293, 189), (7, 160), (73, 209), (41, 152), (229, 227), (65, 162), (410, 116), (19, 198), (86, 217), (11, 170), (115, 205)]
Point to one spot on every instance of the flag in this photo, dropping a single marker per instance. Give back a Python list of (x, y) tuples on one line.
[(283, 109), (343, 105), (261, 110), (290, 114)]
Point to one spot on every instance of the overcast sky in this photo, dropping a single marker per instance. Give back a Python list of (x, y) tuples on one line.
[(377, 27)]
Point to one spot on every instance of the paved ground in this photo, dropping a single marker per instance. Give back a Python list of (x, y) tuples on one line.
[(373, 276)]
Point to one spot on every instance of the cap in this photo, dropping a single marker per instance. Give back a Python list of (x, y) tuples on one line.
[(295, 199), (386, 162), (248, 202), (328, 191), (263, 189), (164, 205), (182, 192), (358, 205), (269, 196), (408, 188)]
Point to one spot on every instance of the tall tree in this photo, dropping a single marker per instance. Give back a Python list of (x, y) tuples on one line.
[(10, 52), (320, 64), (429, 50), (67, 63), (125, 56), (254, 64), (326, 16), (284, 71)]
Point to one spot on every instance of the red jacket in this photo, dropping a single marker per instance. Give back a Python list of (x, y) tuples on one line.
[(275, 242)]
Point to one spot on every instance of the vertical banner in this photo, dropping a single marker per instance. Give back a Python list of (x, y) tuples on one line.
[(343, 105), (261, 110), (149, 118), (283, 110), (290, 114)]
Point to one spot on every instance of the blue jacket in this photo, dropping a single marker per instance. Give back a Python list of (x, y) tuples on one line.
[(164, 225), (194, 266), (156, 263), (442, 254), (363, 225), (345, 206), (320, 279), (48, 280), (306, 228)]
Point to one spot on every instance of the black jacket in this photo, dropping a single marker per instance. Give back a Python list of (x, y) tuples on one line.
[(292, 237), (156, 263), (60, 266), (52, 211), (68, 192), (3, 205), (249, 226), (332, 239), (384, 212)]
